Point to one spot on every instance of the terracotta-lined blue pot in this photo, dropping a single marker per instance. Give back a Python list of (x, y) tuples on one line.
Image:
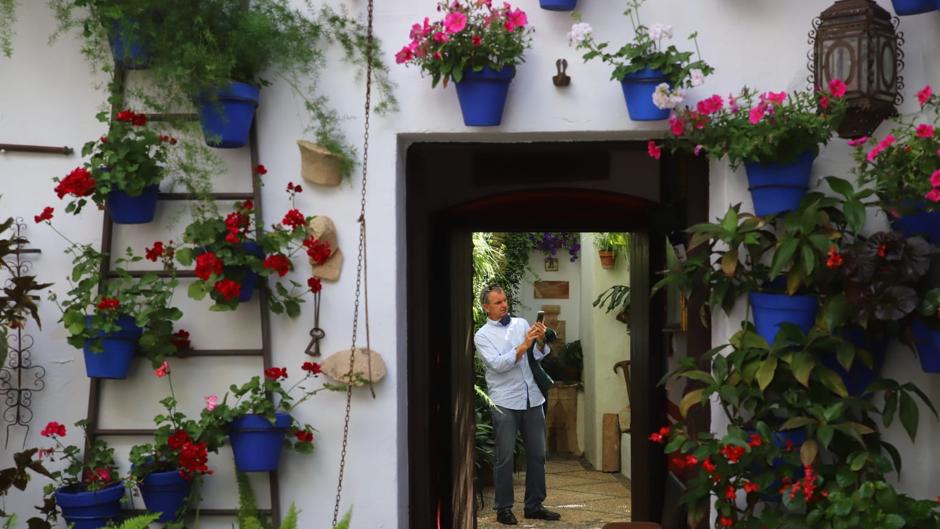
[(165, 493), (913, 7), (558, 5), (772, 310), (483, 94), (128, 209), (126, 50), (927, 340), (227, 115), (861, 376), (119, 349), (919, 222), (256, 443), (779, 187), (90, 510), (638, 88)]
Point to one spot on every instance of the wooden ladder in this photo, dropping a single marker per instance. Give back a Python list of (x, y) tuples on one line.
[(94, 393)]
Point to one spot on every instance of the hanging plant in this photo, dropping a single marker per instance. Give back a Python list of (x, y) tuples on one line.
[(7, 20), (549, 243)]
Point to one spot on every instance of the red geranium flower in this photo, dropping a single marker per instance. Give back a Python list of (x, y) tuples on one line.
[(725, 522), (261, 170), (835, 258), (126, 115), (107, 303), (177, 439), (275, 373), (750, 487), (755, 440), (708, 465), (78, 183), (294, 219), (312, 367), (730, 493), (733, 453), (208, 264), (279, 263), (53, 429), (228, 288), (314, 284), (45, 215), (152, 254), (318, 251), (180, 340), (304, 436), (193, 458)]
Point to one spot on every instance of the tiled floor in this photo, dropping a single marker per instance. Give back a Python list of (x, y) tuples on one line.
[(586, 499)]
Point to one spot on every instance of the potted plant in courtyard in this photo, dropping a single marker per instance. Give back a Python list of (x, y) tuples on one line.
[(776, 135), (902, 169), (124, 169), (608, 246), (558, 5), (653, 77), (169, 469), (259, 418), (112, 30), (913, 7), (88, 490), (549, 243), (478, 46), (230, 257)]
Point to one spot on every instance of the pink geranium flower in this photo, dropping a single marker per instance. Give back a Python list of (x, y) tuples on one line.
[(211, 402), (885, 143), (858, 142), (676, 126), (163, 370), (777, 98), (710, 106), (455, 21), (933, 195), (757, 114), (935, 178), (440, 37), (924, 95), (924, 131), (653, 150), (516, 19), (837, 87)]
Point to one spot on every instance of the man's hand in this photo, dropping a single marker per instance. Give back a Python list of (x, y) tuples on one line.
[(533, 334), (540, 328)]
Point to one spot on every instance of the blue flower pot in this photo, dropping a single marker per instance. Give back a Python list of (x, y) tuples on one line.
[(861, 376), (119, 349), (250, 278), (638, 88), (482, 95), (90, 510), (256, 443), (796, 437), (923, 223), (165, 493), (127, 51), (558, 5), (928, 346), (227, 117), (913, 7), (779, 187), (771, 310), (127, 209)]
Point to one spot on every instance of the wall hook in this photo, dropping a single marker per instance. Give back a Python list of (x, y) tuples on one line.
[(561, 79)]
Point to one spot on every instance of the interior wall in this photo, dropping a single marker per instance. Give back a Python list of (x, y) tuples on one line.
[(570, 307)]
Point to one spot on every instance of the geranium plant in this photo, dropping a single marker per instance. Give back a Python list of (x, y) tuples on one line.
[(227, 251), (768, 127), (646, 51), (130, 158), (902, 167), (471, 36)]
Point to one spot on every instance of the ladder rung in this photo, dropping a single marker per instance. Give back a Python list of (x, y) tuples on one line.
[(215, 196), (205, 512), (194, 353), (159, 273), (173, 116), (123, 431)]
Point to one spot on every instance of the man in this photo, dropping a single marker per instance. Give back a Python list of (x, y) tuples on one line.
[(503, 343)]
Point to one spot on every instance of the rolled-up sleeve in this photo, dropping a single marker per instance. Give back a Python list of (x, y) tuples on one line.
[(498, 360), (539, 354)]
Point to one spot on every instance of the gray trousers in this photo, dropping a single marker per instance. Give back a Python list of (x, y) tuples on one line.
[(505, 426)]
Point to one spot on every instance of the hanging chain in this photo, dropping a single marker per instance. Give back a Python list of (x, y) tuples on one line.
[(361, 261)]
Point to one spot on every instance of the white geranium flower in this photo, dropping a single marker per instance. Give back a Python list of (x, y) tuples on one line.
[(658, 31), (664, 98), (579, 32), (697, 77)]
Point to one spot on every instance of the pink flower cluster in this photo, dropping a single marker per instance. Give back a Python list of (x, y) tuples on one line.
[(878, 149), (463, 18)]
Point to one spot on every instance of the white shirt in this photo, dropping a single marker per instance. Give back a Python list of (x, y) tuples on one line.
[(509, 382)]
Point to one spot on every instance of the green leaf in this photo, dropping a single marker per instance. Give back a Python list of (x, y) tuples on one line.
[(765, 373), (841, 186), (808, 452), (701, 376), (802, 366), (891, 406), (908, 415), (797, 422), (730, 223), (809, 259), (832, 380), (846, 355), (197, 290), (833, 412), (690, 399), (824, 434), (783, 256), (893, 521)]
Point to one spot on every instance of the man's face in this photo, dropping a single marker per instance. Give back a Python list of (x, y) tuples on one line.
[(496, 306)]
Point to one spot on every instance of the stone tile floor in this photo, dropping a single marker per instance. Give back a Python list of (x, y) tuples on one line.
[(585, 498)]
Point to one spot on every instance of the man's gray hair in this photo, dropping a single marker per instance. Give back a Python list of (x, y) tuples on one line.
[(485, 293)]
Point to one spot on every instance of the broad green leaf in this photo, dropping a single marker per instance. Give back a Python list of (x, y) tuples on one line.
[(833, 412), (824, 434), (846, 355), (832, 380), (808, 452), (765, 373), (729, 262), (797, 422), (701, 376), (802, 365), (908, 414), (783, 256), (690, 399)]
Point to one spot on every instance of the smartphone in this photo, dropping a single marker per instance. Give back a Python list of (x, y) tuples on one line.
[(540, 316)]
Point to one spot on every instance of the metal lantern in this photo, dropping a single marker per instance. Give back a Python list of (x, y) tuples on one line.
[(856, 41)]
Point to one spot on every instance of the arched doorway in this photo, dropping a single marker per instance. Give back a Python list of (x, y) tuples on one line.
[(453, 189)]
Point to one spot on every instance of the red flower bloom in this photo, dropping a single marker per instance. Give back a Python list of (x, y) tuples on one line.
[(312, 367), (835, 258), (755, 440), (882, 250), (294, 188), (653, 150), (318, 251), (177, 439), (106, 303), (248, 205), (294, 219), (837, 87), (304, 436), (656, 437), (139, 120), (152, 254), (53, 429), (279, 263), (192, 460), (228, 288), (261, 170), (208, 264), (750, 487), (78, 183), (725, 522), (275, 373), (126, 115), (45, 215), (730, 493), (708, 465), (314, 284), (733, 453), (180, 340)]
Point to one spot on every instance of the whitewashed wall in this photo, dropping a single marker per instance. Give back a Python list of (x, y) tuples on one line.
[(570, 308), (48, 96)]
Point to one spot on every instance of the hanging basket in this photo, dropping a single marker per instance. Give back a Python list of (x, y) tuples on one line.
[(227, 115), (772, 310), (119, 349), (256, 443), (165, 493), (129, 209), (913, 7), (558, 5), (638, 88), (318, 165), (482, 95), (90, 510), (779, 187)]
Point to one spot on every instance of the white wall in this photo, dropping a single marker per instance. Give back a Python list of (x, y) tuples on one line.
[(48, 96), (570, 308)]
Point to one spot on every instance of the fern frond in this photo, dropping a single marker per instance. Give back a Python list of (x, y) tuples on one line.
[(344, 523), (290, 521), (140, 522)]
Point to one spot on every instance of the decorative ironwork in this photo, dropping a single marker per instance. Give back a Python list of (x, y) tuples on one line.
[(856, 41), (316, 334), (19, 378)]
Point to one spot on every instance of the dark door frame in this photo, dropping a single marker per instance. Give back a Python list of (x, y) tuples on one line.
[(453, 189)]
